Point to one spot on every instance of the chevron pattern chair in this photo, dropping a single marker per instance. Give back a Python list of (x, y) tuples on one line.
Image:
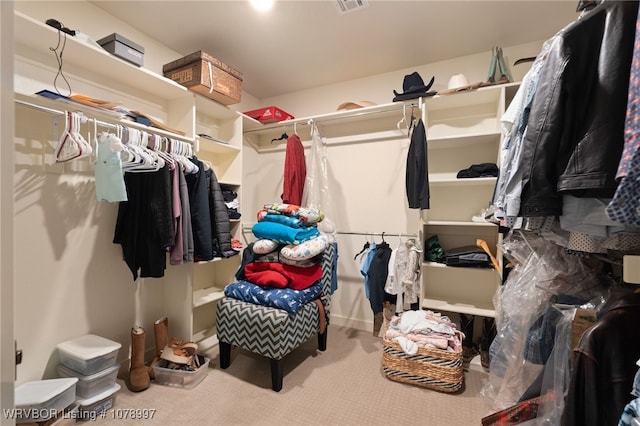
[(273, 332)]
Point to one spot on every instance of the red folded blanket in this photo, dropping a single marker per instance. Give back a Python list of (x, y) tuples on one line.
[(280, 275)]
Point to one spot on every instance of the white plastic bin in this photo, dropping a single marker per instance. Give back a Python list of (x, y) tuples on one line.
[(88, 354), (89, 386), (90, 408), (41, 400)]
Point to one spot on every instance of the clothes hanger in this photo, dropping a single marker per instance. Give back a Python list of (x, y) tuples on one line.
[(403, 120), (284, 136), (68, 147), (365, 247)]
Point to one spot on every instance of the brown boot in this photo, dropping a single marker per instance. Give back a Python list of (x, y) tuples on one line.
[(161, 336), (161, 333), (138, 375)]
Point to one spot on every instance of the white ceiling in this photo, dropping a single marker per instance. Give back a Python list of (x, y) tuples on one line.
[(303, 44)]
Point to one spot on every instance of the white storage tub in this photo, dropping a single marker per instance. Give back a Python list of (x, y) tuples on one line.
[(89, 386), (41, 400), (90, 408), (88, 354)]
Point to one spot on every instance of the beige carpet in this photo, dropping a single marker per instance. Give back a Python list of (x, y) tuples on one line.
[(343, 386)]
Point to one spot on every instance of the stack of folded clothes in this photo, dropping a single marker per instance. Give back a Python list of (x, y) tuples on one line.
[(232, 203), (282, 268)]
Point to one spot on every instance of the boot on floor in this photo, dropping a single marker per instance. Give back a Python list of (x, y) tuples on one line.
[(138, 379), (161, 339), (161, 334)]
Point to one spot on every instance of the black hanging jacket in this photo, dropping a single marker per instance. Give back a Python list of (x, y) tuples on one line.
[(417, 174)]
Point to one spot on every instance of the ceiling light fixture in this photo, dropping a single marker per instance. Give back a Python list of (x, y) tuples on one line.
[(261, 5)]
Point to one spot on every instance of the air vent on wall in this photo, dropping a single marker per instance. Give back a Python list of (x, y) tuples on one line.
[(346, 6)]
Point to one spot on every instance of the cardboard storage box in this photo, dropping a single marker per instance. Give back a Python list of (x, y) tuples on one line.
[(270, 114), (123, 48), (206, 75)]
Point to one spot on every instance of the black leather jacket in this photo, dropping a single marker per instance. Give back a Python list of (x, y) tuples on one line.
[(604, 366), (575, 132)]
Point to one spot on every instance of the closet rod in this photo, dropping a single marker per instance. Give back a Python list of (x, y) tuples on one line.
[(248, 227), (377, 234), (111, 125), (333, 116)]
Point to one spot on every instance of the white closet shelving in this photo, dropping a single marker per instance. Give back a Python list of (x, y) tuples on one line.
[(372, 123), (462, 129), (191, 291)]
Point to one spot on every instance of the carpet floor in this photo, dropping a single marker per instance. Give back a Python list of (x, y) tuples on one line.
[(344, 385)]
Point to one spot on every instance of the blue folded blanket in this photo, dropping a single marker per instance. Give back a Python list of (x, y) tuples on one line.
[(282, 298), (290, 221), (284, 234)]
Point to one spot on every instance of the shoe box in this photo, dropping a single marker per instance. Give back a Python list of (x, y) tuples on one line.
[(185, 379)]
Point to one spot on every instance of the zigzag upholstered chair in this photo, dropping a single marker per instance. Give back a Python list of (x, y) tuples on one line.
[(273, 332)]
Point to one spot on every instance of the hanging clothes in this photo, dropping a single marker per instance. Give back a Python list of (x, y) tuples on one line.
[(187, 230), (417, 173), (108, 169), (220, 226), (316, 192), (176, 253), (144, 226), (604, 366), (575, 138), (200, 215), (295, 171), (377, 277), (625, 205)]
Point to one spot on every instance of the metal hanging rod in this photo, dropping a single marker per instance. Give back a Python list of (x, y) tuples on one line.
[(378, 234), (109, 125), (336, 116)]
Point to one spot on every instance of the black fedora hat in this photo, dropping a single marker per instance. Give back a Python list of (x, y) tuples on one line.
[(413, 87)]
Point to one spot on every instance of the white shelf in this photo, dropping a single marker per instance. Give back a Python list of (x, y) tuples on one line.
[(217, 146), (458, 223), (252, 126), (442, 305), (35, 37), (207, 295), (451, 179), (205, 338), (463, 140), (462, 129)]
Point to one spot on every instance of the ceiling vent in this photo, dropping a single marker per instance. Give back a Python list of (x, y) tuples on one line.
[(347, 6)]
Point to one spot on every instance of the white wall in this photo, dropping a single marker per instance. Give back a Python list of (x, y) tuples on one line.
[(70, 278), (7, 349), (366, 178)]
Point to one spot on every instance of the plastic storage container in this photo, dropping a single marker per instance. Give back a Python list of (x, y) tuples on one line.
[(89, 408), (88, 354), (89, 386), (67, 418), (42, 400), (180, 378)]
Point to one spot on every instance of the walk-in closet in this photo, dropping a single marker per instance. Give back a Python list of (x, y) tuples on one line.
[(326, 212)]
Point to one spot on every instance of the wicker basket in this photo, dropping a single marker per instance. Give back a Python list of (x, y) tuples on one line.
[(430, 368)]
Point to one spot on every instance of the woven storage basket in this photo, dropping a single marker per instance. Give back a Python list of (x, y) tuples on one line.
[(430, 368)]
